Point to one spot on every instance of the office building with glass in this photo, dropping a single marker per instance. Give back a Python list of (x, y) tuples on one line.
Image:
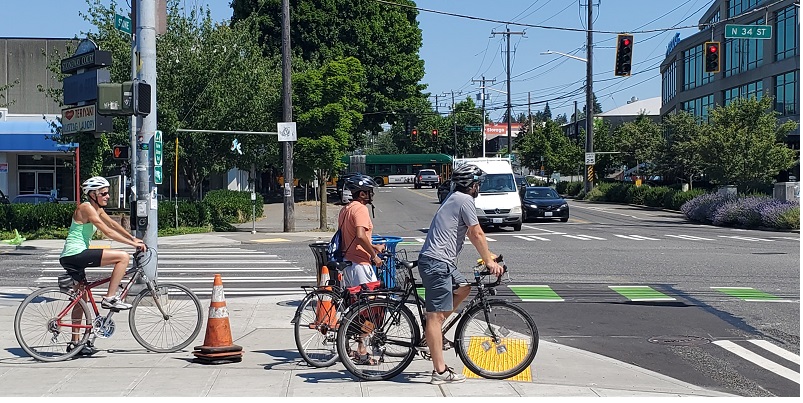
[(748, 67)]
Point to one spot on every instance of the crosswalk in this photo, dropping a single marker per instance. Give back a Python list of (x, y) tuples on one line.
[(555, 236), (639, 293), (245, 272), (765, 355)]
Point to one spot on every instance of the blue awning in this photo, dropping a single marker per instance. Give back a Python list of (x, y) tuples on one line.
[(29, 136)]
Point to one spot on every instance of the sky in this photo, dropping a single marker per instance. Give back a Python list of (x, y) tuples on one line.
[(457, 50)]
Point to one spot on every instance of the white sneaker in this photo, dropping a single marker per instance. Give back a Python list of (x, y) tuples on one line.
[(114, 303), (448, 376)]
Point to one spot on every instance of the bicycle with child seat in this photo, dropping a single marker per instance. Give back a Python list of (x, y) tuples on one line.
[(164, 317), (317, 317), (494, 338)]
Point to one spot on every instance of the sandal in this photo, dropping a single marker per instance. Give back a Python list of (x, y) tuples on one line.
[(365, 359)]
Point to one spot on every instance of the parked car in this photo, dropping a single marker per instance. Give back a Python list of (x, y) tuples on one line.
[(4, 198), (34, 199), (426, 177), (543, 202), (443, 191)]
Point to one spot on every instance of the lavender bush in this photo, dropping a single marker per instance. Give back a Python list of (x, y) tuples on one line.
[(746, 212), (702, 208)]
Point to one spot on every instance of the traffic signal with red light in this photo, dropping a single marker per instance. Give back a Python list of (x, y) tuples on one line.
[(434, 132), (712, 57), (414, 134), (624, 55)]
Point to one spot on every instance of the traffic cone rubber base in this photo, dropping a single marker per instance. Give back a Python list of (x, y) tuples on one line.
[(218, 347), (216, 350)]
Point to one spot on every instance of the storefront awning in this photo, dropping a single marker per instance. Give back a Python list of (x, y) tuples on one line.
[(29, 136)]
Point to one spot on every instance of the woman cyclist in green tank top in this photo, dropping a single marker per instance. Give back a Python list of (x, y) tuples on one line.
[(76, 255)]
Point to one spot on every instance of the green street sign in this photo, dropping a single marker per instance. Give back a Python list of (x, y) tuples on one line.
[(157, 175), (472, 129), (748, 31), (157, 149), (122, 23)]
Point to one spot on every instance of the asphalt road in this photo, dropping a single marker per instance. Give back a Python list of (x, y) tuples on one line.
[(716, 307)]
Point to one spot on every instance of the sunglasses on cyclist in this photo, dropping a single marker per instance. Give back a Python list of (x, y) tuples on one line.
[(104, 194)]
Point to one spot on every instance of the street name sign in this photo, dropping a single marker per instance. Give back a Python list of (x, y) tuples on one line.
[(748, 31), (473, 129), (122, 23), (157, 149)]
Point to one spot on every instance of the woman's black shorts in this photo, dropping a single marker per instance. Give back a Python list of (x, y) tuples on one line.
[(76, 264)]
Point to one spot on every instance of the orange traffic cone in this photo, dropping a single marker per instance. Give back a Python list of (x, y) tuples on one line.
[(218, 347), (324, 310)]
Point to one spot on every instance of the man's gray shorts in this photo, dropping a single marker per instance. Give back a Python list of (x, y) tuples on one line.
[(439, 279)]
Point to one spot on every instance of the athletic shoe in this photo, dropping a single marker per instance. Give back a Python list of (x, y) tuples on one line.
[(88, 349), (448, 376), (114, 303)]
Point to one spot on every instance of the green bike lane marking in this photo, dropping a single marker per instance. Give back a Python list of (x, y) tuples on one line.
[(640, 293), (749, 294), (535, 293)]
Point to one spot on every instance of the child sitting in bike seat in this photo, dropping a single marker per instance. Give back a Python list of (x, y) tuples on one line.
[(76, 255)]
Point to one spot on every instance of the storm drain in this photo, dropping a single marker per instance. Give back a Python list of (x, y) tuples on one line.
[(679, 340)]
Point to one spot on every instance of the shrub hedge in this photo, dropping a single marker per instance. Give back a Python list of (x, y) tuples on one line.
[(743, 211), (219, 209)]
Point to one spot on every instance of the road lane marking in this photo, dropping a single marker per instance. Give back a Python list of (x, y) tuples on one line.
[(749, 294), (759, 360), (690, 237), (535, 293), (640, 293), (636, 237), (787, 355)]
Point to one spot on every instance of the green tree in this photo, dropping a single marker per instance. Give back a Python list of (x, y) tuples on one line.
[(386, 39), (547, 112), (743, 143), (608, 160), (332, 110), (559, 153), (639, 141), (680, 152)]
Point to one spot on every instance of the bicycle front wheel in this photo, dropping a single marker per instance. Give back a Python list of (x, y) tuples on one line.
[(173, 327), (377, 338), (316, 323), (42, 324), (498, 344)]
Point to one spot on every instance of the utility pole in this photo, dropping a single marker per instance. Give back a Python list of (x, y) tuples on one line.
[(287, 116), (576, 128), (530, 111), (454, 120), (509, 117), (484, 95), (146, 188), (589, 97)]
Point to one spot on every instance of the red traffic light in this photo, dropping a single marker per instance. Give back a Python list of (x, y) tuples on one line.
[(435, 132), (626, 41), (713, 48)]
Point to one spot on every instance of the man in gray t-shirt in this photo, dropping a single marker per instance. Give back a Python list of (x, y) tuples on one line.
[(456, 218)]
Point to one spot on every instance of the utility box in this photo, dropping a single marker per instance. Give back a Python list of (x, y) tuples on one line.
[(787, 191)]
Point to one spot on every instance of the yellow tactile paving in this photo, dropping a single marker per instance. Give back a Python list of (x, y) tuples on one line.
[(493, 361)]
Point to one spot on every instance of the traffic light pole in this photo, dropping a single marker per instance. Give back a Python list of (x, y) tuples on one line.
[(146, 188)]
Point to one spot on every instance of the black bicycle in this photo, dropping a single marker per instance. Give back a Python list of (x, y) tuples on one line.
[(494, 338)]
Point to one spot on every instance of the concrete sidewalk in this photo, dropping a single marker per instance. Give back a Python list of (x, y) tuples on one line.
[(271, 366)]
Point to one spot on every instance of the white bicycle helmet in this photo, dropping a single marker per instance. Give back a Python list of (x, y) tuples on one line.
[(95, 183)]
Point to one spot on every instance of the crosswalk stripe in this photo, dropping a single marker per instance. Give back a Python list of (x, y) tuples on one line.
[(187, 270), (535, 293), (584, 237), (749, 294), (788, 355), (489, 239), (228, 280), (636, 237), (531, 238), (759, 360), (196, 261), (690, 237), (746, 238), (420, 240)]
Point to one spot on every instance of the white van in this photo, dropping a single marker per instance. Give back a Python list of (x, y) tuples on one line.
[(498, 203)]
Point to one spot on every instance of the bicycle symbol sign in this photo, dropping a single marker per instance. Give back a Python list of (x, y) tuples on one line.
[(287, 131)]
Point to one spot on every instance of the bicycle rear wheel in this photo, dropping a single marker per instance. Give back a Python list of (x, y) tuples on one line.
[(39, 324), (386, 331), (167, 334), (497, 346), (316, 322)]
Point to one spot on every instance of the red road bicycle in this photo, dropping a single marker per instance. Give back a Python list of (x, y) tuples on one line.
[(164, 318)]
